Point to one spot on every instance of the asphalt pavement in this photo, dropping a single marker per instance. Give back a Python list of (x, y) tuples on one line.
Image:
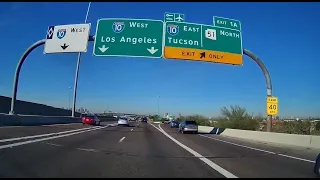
[(142, 151), (250, 159), (105, 151)]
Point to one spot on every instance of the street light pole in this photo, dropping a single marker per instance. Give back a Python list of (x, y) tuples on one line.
[(77, 70), (69, 97), (158, 105)]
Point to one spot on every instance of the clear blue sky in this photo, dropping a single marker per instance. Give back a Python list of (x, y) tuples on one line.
[(283, 35)]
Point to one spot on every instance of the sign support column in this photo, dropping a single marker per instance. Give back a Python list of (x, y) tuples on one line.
[(268, 82), (77, 71)]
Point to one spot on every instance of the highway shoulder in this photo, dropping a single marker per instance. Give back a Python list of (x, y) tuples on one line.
[(243, 162)]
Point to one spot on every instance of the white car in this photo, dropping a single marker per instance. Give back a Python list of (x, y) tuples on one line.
[(123, 121)]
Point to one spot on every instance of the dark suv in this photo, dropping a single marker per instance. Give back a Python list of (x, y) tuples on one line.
[(144, 119)]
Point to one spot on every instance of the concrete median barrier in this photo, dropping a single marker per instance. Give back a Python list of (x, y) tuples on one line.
[(308, 141), (31, 120), (209, 130), (280, 138), (31, 108)]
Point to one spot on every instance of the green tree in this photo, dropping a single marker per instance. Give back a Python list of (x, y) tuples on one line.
[(201, 120), (318, 126), (237, 118)]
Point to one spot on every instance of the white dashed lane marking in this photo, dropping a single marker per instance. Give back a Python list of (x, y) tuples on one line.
[(122, 139)]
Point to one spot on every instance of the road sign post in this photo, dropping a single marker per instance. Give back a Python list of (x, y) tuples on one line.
[(129, 37), (67, 38), (267, 77), (272, 105), (18, 68), (202, 43)]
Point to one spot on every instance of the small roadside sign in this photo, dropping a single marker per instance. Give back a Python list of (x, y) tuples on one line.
[(177, 17), (272, 105), (67, 38), (227, 23)]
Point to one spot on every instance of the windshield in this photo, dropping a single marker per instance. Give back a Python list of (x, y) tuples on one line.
[(89, 117), (159, 90)]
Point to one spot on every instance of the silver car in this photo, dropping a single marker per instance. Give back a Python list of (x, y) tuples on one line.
[(188, 126), (123, 121)]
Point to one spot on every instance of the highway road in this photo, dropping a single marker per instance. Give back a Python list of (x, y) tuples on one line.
[(142, 150)]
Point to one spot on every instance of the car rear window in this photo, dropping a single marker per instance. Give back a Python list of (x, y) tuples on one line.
[(191, 122), (88, 116)]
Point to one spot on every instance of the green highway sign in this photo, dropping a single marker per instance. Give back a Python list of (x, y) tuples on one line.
[(202, 43), (174, 17), (226, 23), (129, 37)]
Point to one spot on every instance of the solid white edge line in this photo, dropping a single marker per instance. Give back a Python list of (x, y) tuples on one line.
[(214, 166), (42, 135), (270, 152), (48, 138), (66, 124), (49, 125)]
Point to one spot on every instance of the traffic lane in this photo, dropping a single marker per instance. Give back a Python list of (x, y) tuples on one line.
[(20, 131), (35, 132), (108, 123), (43, 159), (144, 152), (294, 151), (140, 151), (244, 162), (98, 140)]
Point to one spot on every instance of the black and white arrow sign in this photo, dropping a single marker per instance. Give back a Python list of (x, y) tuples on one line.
[(64, 46)]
